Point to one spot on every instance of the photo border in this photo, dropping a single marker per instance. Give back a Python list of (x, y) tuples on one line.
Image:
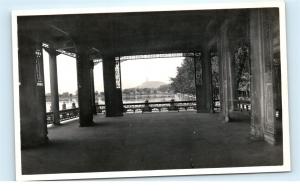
[(286, 167)]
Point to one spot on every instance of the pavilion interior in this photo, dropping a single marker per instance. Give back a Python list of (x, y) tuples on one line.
[(120, 141)]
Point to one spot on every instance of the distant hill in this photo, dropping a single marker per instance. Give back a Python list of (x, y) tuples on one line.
[(151, 84)]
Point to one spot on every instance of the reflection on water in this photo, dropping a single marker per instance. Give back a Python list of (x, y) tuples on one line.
[(137, 99)]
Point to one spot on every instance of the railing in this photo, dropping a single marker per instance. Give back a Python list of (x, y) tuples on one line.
[(159, 106), (100, 108), (66, 114), (135, 108), (49, 116), (216, 105), (244, 105)]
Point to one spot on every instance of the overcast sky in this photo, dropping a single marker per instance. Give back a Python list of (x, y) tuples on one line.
[(133, 72)]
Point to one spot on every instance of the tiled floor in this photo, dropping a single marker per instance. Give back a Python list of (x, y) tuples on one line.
[(150, 141)]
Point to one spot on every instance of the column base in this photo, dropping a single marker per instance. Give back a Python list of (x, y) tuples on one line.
[(227, 119), (114, 115), (87, 124), (34, 142), (204, 111), (256, 133), (272, 138), (94, 111), (56, 123)]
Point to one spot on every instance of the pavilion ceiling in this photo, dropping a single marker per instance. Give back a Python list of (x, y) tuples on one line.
[(128, 33)]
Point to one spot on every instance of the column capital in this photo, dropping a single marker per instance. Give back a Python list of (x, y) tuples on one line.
[(92, 64), (109, 57), (52, 51)]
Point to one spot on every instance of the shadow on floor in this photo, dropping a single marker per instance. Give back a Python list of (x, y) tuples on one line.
[(180, 140)]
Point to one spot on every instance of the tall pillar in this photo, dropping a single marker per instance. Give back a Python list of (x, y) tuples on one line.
[(208, 81), (112, 87), (203, 82), (84, 87), (54, 86), (264, 124), (93, 88), (226, 72), (32, 93), (221, 68)]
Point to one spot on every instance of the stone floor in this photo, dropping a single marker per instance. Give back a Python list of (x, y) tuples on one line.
[(150, 141)]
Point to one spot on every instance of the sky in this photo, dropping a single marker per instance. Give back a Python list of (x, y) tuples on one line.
[(66, 73), (133, 72)]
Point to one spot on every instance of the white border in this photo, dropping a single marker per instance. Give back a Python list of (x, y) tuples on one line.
[(174, 172)]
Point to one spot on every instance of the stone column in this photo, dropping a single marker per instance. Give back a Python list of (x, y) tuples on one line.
[(93, 88), (84, 87), (208, 80), (203, 82), (226, 73), (54, 86), (33, 122), (219, 54), (263, 105), (112, 87)]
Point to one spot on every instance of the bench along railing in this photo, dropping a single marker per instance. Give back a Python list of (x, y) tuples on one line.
[(49, 116), (133, 108), (216, 105), (159, 106), (64, 115), (244, 105), (100, 108)]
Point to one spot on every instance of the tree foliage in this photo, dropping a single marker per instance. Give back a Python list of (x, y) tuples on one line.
[(184, 82), (164, 88)]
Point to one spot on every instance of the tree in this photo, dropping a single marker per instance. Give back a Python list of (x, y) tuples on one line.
[(129, 91), (65, 94), (164, 88), (184, 82)]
